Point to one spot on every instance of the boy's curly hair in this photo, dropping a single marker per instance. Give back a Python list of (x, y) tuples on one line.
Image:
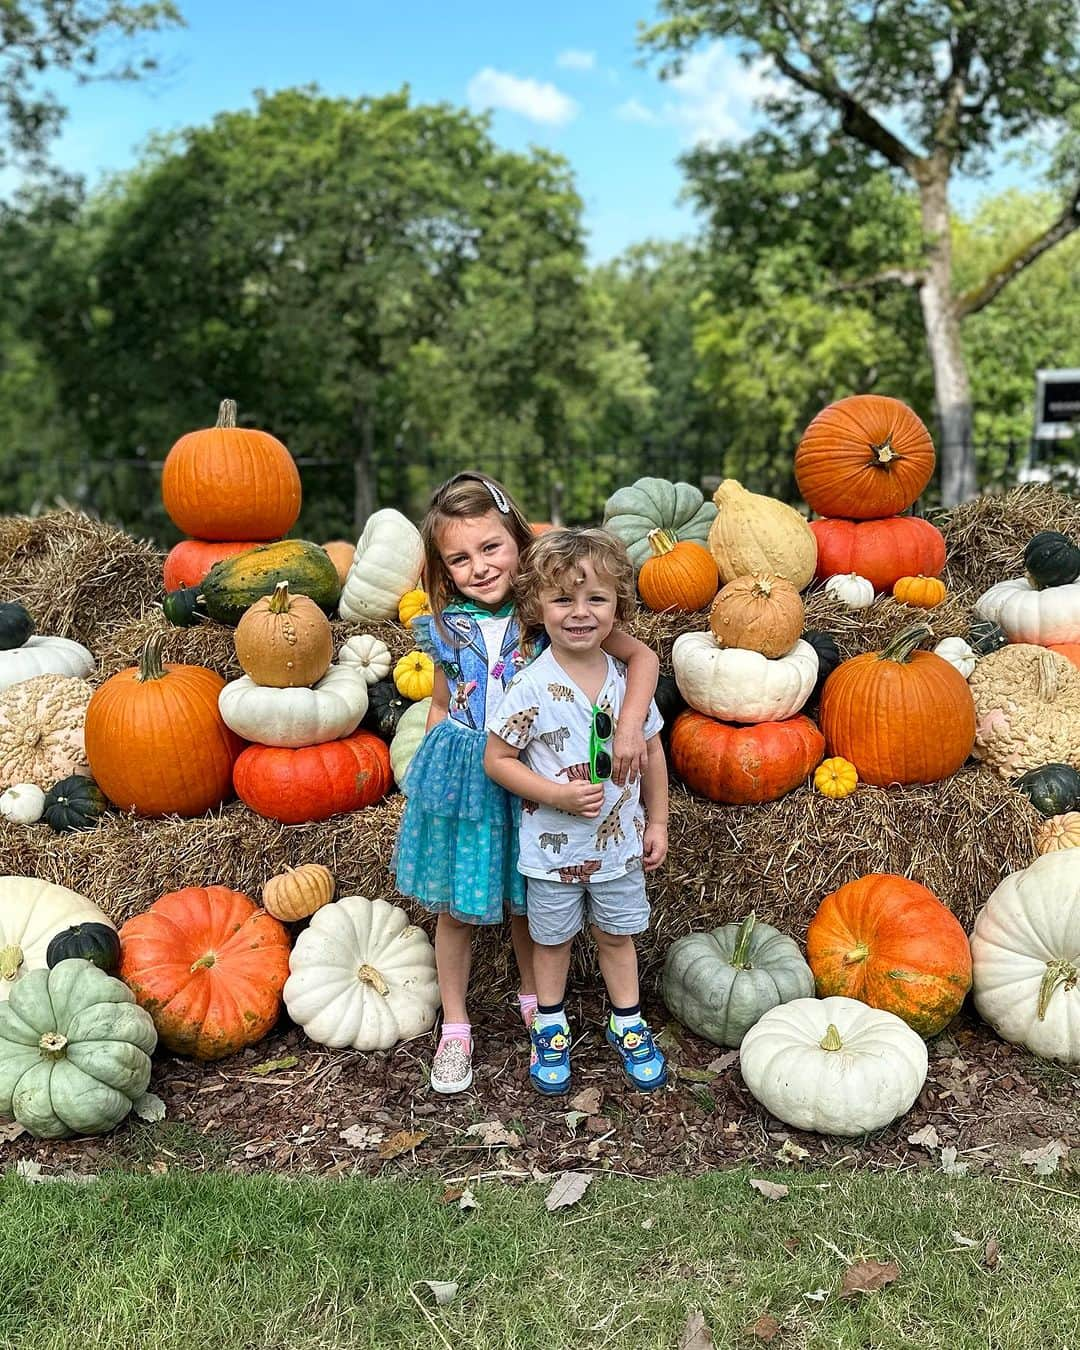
[(555, 558)]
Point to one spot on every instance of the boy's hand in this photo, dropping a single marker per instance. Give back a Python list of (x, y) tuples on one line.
[(654, 847), (629, 754), (581, 799)]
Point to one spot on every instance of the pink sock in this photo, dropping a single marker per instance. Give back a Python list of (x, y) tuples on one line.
[(456, 1031), (527, 1004)]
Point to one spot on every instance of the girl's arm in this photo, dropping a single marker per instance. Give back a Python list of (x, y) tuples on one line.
[(629, 755), (503, 765), (440, 701), (654, 796)]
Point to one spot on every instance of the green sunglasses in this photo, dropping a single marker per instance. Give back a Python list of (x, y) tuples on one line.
[(600, 734)]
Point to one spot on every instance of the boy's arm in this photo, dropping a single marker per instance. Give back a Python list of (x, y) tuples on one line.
[(440, 701), (503, 765), (629, 754), (654, 796)]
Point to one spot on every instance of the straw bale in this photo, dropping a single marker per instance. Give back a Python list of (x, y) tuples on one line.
[(868, 630)]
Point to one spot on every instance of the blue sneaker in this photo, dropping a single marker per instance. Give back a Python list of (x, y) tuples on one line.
[(642, 1061), (549, 1064)]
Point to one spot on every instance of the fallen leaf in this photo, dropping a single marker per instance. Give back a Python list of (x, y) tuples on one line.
[(950, 1165), (442, 1291), (598, 1125), (771, 1190), (451, 1194), (817, 1295), (149, 1107), (256, 1148), (961, 1240), (574, 1118), (927, 1138), (647, 1224), (272, 1065), (362, 1136), (991, 1254), (466, 1200), (696, 1335), (790, 1151), (866, 1277), (403, 1141), (158, 1168), (692, 1075), (29, 1170), (568, 1188), (10, 1129), (724, 1061), (587, 1100), (766, 1328), (494, 1134), (1045, 1160)]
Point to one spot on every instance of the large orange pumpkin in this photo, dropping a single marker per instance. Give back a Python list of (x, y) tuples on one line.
[(899, 715), (226, 481), (1070, 650), (191, 559), (155, 741), (741, 764), (209, 968), (864, 458), (316, 781), (882, 551), (892, 944)]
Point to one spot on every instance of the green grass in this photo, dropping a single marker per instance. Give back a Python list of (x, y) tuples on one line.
[(255, 1263)]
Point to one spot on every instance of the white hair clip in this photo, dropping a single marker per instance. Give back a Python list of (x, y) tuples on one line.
[(498, 497)]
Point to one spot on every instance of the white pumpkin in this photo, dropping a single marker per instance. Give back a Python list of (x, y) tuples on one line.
[(32, 912), (410, 730), (330, 709), (853, 590), (44, 656), (41, 730), (362, 976), (959, 654), (742, 686), (370, 654), (1027, 615), (22, 803), (833, 1065), (387, 564), (1025, 953)]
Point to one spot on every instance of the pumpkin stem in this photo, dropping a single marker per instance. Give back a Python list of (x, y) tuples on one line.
[(52, 1045), (151, 666), (831, 1040), (204, 962), (661, 542), (1057, 973), (763, 586), (883, 453), (742, 943), (1048, 677), (857, 954), (905, 642), (279, 601), (369, 975), (226, 416), (11, 958)]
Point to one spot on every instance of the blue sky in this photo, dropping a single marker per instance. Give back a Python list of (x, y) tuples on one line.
[(562, 75)]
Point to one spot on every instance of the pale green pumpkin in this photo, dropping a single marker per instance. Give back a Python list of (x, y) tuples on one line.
[(720, 983), (654, 503), (409, 733), (74, 1051)]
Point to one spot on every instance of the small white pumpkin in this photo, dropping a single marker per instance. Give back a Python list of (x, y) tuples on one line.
[(41, 730), (44, 656), (959, 654), (362, 976), (370, 653), (1025, 953), (410, 730), (330, 709), (387, 564), (833, 1065), (1025, 614), (32, 912), (22, 803), (850, 588), (735, 685)]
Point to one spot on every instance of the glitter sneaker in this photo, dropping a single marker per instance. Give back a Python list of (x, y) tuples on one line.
[(451, 1069)]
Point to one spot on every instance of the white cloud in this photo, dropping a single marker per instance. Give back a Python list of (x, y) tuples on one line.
[(574, 59), (716, 93), (536, 100), (635, 111)]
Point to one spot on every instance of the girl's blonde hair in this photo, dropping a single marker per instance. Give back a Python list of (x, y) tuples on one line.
[(464, 497), (555, 558)]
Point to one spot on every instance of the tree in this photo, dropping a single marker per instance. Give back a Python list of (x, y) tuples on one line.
[(929, 90)]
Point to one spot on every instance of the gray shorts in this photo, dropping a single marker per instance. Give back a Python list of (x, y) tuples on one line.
[(557, 909)]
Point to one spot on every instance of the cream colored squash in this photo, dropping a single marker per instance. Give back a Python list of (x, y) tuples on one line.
[(44, 656), (370, 653), (407, 737), (753, 533), (851, 589), (22, 803), (295, 717), (41, 730), (742, 686), (1025, 951), (833, 1065), (32, 912), (1027, 615), (1027, 708), (362, 976), (959, 654), (389, 558), (1058, 832)]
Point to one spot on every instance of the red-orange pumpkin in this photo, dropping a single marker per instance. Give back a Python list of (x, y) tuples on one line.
[(1070, 650), (191, 559), (155, 741), (208, 966), (316, 781), (864, 458), (882, 551), (899, 715), (226, 481), (741, 764), (892, 944)]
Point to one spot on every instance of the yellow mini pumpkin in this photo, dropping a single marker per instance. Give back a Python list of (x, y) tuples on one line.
[(836, 778), (410, 605), (922, 592), (298, 892), (414, 676)]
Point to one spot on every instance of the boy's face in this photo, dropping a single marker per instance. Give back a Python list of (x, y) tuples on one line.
[(579, 613)]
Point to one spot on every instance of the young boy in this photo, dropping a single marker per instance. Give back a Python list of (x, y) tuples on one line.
[(585, 844)]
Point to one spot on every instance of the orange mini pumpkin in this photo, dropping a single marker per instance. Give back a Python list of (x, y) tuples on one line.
[(922, 592), (758, 614), (680, 575), (208, 966), (892, 944)]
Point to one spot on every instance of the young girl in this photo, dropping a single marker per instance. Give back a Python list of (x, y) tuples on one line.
[(456, 851)]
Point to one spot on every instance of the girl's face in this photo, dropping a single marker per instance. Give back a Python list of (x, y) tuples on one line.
[(481, 556)]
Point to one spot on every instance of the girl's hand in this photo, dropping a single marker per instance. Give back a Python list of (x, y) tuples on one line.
[(581, 799), (629, 753), (654, 846)]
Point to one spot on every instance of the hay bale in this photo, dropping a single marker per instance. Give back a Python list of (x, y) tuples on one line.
[(985, 538), (79, 577), (868, 630)]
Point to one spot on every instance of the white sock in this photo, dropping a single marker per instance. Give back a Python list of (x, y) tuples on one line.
[(551, 1019), (631, 1019)]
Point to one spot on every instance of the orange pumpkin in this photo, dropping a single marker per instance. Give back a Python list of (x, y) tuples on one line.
[(316, 781), (191, 559), (892, 944), (922, 592), (284, 640), (864, 458), (758, 614), (209, 968), (341, 555), (227, 480), (742, 764), (899, 715), (1070, 650), (680, 574), (155, 740)]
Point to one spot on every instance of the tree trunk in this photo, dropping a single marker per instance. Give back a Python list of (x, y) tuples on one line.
[(363, 465)]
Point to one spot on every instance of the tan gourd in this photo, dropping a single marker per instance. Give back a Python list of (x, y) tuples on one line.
[(1058, 832), (298, 892), (753, 533), (284, 641), (758, 614), (1027, 703), (41, 730)]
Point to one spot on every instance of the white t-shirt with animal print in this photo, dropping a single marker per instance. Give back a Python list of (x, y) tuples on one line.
[(547, 717)]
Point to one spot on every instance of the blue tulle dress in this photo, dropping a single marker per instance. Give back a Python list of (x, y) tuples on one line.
[(457, 846)]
